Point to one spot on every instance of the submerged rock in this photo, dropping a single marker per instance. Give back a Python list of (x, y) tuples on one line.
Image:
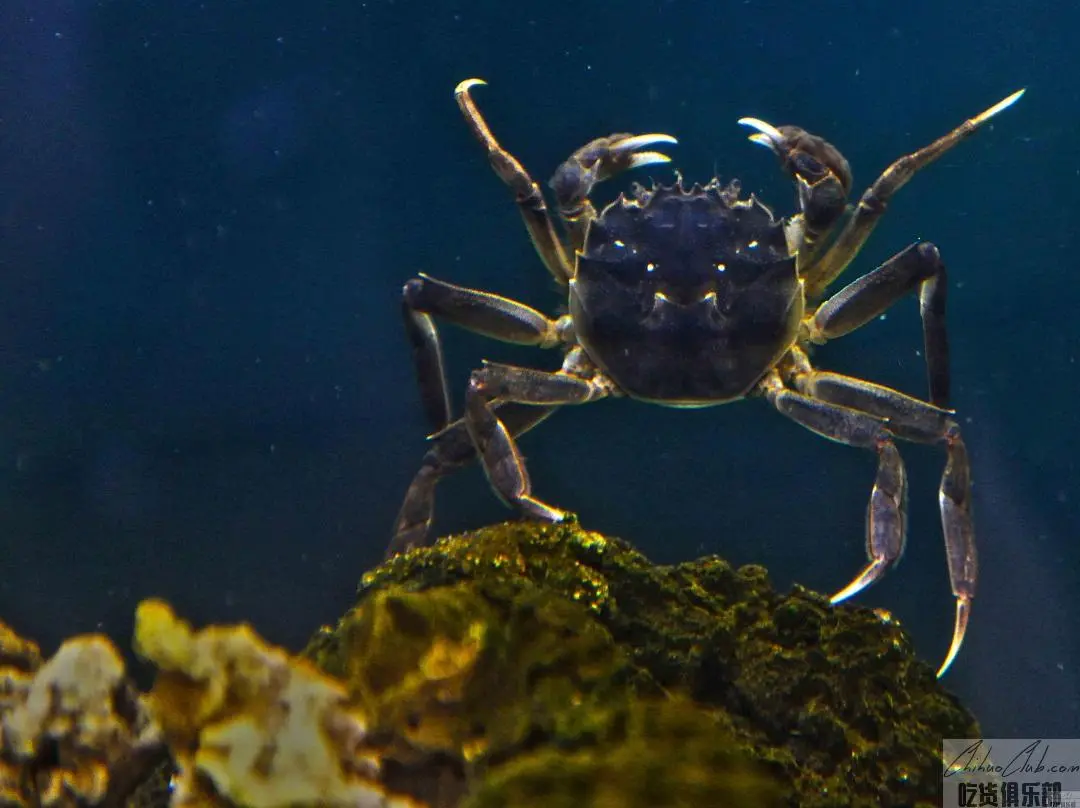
[(519, 666), (529, 664)]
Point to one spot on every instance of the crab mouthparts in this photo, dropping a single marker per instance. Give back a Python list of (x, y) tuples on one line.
[(685, 298), (697, 309)]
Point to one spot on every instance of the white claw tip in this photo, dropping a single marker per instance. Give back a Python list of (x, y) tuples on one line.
[(638, 141), (768, 135), (467, 85), (648, 159)]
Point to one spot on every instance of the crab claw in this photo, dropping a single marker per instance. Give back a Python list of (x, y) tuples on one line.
[(767, 135), (635, 142), (602, 159)]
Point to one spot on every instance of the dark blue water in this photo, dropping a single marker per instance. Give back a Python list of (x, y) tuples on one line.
[(209, 209)]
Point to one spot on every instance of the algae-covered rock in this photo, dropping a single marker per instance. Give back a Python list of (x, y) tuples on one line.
[(521, 666), (658, 753), (73, 730), (249, 724), (482, 671), (519, 657), (504, 693)]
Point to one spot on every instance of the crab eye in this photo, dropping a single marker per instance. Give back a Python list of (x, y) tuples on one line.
[(721, 267), (650, 267)]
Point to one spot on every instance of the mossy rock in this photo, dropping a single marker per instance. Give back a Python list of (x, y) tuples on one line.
[(466, 672), (578, 630), (659, 753)]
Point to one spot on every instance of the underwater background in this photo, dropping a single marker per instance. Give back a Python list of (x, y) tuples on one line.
[(209, 210)]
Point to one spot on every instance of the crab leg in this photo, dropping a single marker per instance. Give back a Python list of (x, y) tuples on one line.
[(499, 455), (954, 499), (451, 450), (916, 267), (876, 198), (481, 312), (906, 417), (915, 420), (527, 193), (886, 515), (837, 407)]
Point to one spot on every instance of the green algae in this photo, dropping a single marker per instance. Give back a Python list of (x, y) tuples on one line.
[(656, 753), (552, 637), (485, 672)]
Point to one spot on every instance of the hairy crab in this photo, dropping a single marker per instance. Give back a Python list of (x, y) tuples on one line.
[(692, 297)]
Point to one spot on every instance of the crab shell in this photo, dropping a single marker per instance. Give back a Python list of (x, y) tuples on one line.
[(686, 297)]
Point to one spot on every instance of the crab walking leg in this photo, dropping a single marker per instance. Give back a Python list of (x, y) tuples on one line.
[(428, 364), (917, 421), (954, 498), (906, 417), (527, 194), (886, 514), (451, 449), (499, 455), (919, 266), (481, 312), (875, 199)]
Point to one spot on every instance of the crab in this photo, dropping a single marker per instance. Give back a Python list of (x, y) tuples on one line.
[(695, 297)]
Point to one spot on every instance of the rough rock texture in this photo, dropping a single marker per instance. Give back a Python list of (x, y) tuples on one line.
[(249, 722), (70, 726), (520, 666), (830, 703)]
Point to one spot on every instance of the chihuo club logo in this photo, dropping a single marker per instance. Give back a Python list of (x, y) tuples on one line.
[(1005, 772)]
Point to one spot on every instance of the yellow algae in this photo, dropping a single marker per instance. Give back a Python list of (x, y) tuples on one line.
[(267, 729), (66, 725)]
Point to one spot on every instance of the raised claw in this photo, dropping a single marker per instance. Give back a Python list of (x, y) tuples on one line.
[(647, 158), (599, 160), (607, 156), (819, 169), (767, 135), (634, 142)]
